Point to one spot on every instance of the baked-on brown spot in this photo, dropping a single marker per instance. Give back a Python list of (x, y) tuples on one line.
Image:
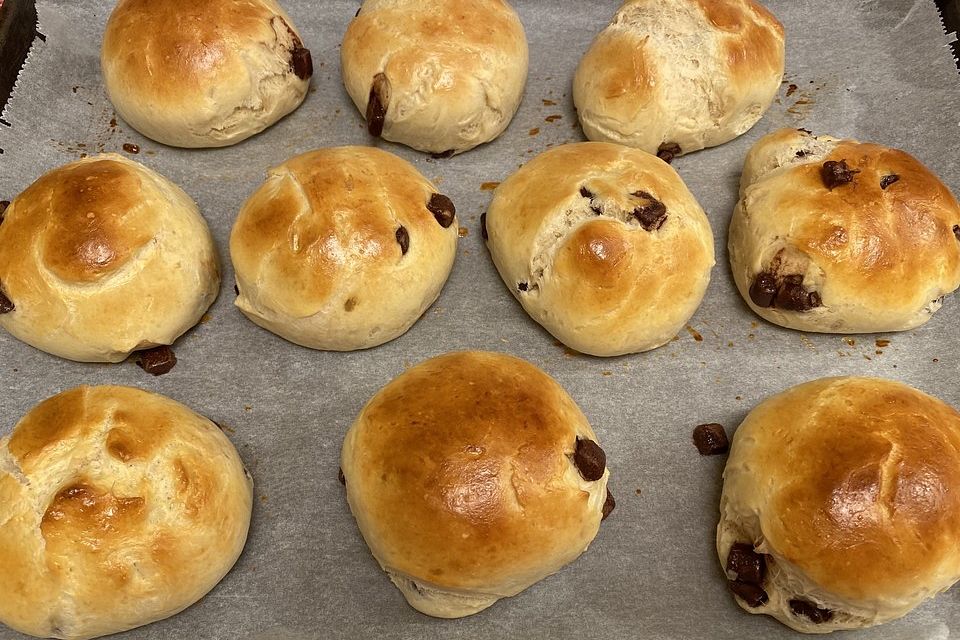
[(746, 564), (590, 459), (403, 239), (815, 614), (81, 508), (668, 151), (157, 361), (301, 62), (886, 181), (442, 209), (652, 213), (752, 594), (377, 105), (350, 304), (483, 225), (608, 506), (836, 173), (6, 304), (710, 439)]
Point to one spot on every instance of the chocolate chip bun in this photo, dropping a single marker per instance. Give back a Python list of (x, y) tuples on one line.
[(602, 245), (839, 236), (675, 76), (118, 507), (841, 504), (102, 257), (342, 248), (472, 476), (437, 75), (203, 74)]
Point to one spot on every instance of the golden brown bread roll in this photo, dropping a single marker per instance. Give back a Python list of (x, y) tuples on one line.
[(102, 257), (437, 75), (675, 76), (203, 74), (472, 476), (603, 245), (118, 507), (841, 504), (840, 236), (342, 248)]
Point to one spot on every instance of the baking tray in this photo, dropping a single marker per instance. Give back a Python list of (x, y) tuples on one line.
[(877, 70)]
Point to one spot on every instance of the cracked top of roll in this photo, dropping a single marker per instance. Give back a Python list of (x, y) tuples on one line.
[(203, 74), (450, 73), (461, 473), (118, 507), (342, 248), (851, 486), (603, 245), (869, 228)]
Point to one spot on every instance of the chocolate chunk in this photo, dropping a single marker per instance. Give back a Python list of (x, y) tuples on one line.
[(129, 147), (358, 11), (956, 231), (763, 291), (301, 62), (752, 594), (341, 477), (522, 286), (590, 459), (483, 225), (710, 439), (806, 131), (836, 173), (793, 297), (668, 151), (608, 506), (157, 361), (403, 239), (442, 209), (6, 304), (377, 105), (443, 154), (650, 215), (801, 153), (815, 614), (586, 193), (748, 565), (886, 181), (236, 289)]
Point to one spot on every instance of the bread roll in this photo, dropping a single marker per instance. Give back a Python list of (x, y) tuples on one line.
[(840, 236), (602, 245), (841, 504), (437, 75), (342, 248), (118, 507), (203, 74), (102, 257), (675, 76), (472, 476)]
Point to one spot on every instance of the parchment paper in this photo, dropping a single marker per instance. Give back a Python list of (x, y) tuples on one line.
[(877, 70)]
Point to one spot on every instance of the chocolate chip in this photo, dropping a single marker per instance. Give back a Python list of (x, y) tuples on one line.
[(157, 361), (442, 209), (301, 62), (590, 459), (753, 595), (668, 151), (956, 231), (358, 11), (886, 181), (377, 105), (6, 304), (236, 289), (806, 131), (652, 214), (801, 153), (586, 193), (836, 173), (483, 225), (793, 297), (443, 154), (763, 291), (403, 239), (522, 286), (608, 506), (746, 564), (815, 614), (340, 477), (710, 439)]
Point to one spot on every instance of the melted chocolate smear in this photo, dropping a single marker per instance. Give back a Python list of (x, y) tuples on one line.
[(376, 105), (301, 62), (483, 225), (443, 154), (886, 181), (522, 286), (442, 209), (608, 506), (753, 595), (403, 239), (668, 151), (748, 565), (157, 361), (710, 439), (835, 174), (651, 215), (590, 459), (6, 304), (808, 610)]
